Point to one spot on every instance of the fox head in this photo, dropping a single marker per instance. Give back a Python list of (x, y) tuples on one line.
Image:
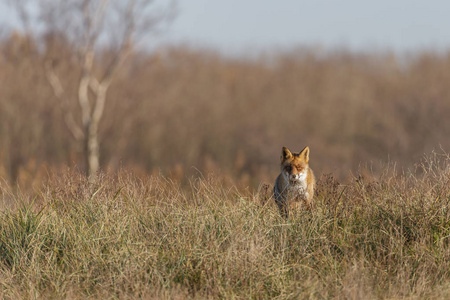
[(294, 166)]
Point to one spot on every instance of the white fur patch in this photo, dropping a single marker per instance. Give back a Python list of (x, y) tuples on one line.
[(297, 185), (302, 176)]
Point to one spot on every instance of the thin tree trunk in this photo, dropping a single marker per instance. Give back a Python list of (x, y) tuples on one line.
[(92, 151), (92, 143)]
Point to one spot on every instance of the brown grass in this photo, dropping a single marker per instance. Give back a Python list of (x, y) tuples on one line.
[(126, 236)]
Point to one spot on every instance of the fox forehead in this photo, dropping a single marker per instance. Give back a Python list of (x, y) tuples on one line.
[(296, 161)]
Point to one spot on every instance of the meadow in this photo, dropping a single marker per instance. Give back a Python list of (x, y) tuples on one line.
[(127, 236), (189, 147)]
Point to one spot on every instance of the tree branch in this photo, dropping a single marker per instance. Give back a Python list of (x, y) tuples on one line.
[(58, 91)]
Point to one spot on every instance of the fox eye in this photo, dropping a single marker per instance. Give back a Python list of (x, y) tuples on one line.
[(288, 168), (299, 168)]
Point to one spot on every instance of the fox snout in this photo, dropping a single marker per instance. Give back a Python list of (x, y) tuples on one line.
[(294, 177)]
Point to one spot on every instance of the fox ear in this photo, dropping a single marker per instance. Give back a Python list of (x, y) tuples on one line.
[(285, 154), (305, 154)]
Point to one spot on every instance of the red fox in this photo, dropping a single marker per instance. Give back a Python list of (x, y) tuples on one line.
[(296, 183)]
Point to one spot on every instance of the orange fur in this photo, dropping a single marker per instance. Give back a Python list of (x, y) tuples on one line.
[(295, 185)]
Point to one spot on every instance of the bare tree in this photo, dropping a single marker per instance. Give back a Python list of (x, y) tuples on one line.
[(90, 26)]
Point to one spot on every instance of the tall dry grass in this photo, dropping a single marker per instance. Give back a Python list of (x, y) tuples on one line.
[(126, 236)]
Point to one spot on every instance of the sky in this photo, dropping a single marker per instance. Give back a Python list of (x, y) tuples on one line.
[(246, 25), (243, 26)]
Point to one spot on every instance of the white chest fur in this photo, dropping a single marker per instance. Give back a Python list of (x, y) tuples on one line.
[(298, 187)]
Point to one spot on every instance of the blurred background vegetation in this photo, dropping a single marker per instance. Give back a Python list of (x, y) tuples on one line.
[(185, 111)]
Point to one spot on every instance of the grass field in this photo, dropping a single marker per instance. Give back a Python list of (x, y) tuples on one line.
[(130, 237)]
